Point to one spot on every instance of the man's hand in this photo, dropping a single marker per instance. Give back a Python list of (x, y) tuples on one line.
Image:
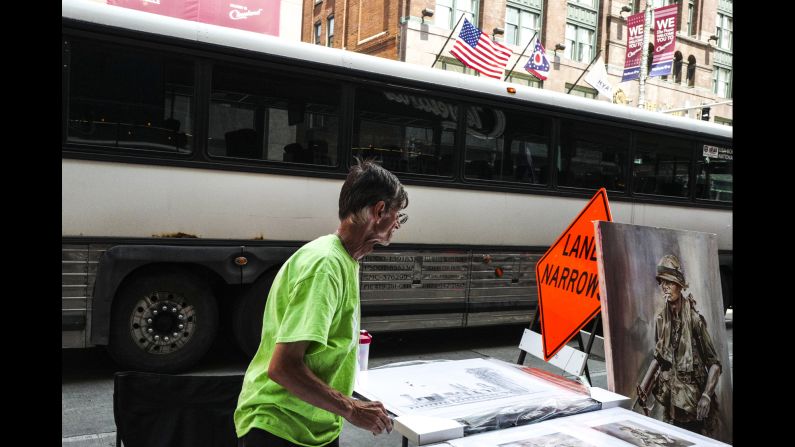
[(371, 416), (703, 407)]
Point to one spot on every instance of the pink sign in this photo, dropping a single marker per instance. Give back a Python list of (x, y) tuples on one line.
[(181, 9), (260, 16), (635, 28), (664, 40)]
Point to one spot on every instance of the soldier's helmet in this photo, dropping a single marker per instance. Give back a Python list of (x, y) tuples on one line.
[(670, 269)]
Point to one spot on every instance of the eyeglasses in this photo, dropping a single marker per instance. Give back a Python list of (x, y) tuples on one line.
[(402, 218)]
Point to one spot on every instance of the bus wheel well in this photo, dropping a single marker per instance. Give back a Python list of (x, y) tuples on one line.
[(164, 318), (248, 309), (178, 268)]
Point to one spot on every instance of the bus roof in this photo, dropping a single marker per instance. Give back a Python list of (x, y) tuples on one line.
[(116, 16)]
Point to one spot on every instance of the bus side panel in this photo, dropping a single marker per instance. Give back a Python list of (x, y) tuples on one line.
[(78, 272)]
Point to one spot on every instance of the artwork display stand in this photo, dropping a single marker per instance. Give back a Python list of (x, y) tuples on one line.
[(570, 360)]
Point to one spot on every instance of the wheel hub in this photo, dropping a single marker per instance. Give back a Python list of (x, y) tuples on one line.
[(162, 322)]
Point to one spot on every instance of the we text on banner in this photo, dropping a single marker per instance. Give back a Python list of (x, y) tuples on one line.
[(664, 40), (635, 27)]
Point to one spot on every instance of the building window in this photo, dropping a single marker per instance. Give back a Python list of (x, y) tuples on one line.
[(330, 32), (522, 79), (690, 18), (580, 42), (722, 82), (724, 31), (660, 3), (520, 24), (449, 11), (691, 71), (317, 33), (591, 3), (583, 91), (678, 67), (450, 64), (723, 121)]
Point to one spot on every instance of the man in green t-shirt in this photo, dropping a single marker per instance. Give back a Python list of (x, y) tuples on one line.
[(297, 388)]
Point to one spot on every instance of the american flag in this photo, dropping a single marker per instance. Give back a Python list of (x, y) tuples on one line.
[(538, 65), (474, 48)]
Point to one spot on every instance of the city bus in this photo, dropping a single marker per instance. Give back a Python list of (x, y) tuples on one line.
[(196, 159)]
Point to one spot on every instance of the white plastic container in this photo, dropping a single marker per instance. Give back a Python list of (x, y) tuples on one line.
[(364, 349)]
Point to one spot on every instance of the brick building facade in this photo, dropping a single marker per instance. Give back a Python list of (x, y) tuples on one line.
[(572, 33)]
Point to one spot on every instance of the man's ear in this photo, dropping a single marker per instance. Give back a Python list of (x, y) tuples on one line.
[(378, 209)]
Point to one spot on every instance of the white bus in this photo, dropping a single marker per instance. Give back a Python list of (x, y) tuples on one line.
[(196, 159)]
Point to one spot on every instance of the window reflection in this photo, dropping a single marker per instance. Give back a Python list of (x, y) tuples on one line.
[(406, 132), (506, 145)]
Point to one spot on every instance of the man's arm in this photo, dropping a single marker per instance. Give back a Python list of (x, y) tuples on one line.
[(287, 368), (706, 398)]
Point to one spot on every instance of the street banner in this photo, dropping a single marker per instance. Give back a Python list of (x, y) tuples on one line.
[(635, 27), (259, 16), (664, 40), (181, 9), (597, 77)]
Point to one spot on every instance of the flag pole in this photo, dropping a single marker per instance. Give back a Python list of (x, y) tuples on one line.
[(585, 71), (520, 56), (448, 40)]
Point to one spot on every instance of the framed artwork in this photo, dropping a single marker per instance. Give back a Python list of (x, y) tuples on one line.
[(664, 331)]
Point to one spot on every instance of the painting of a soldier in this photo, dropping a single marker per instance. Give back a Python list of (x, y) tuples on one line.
[(665, 336)]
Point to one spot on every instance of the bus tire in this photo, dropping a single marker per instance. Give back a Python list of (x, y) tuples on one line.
[(248, 312), (142, 332)]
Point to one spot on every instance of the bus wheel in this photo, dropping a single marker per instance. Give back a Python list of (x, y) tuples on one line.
[(248, 311), (163, 322)]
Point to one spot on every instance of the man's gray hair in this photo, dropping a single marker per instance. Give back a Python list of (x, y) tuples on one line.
[(367, 184)]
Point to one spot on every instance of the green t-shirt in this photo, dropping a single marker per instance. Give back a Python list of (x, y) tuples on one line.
[(314, 297)]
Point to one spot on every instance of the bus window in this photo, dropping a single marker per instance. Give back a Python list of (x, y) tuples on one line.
[(592, 156), (507, 146), (129, 99), (257, 115), (714, 169), (661, 165), (406, 132)]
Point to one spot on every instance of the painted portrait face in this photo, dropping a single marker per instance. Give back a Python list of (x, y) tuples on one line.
[(671, 290)]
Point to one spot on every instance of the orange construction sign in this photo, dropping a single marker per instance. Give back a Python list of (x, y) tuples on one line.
[(567, 278)]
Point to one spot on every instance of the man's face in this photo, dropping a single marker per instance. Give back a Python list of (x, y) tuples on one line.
[(386, 226), (671, 290)]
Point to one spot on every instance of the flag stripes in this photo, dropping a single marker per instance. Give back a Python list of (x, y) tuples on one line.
[(475, 50)]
